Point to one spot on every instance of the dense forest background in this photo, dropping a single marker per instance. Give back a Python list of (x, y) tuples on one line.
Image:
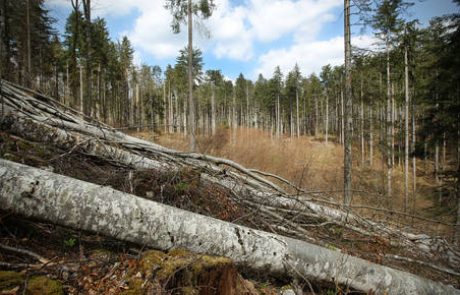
[(406, 96)]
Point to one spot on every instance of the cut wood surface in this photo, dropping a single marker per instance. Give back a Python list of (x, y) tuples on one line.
[(40, 194)]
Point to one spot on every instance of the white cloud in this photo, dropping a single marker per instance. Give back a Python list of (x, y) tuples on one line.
[(271, 19), (310, 56), (101, 7), (152, 31), (235, 29)]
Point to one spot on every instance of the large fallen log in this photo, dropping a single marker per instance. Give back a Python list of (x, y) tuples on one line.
[(69, 140), (40, 194)]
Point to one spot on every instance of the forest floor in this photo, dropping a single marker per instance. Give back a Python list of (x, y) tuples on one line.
[(315, 166)]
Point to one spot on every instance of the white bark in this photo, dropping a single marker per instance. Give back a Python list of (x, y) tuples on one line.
[(406, 131), (65, 201), (213, 110), (326, 124)]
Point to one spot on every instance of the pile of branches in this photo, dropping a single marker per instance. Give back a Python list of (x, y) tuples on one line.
[(281, 208)]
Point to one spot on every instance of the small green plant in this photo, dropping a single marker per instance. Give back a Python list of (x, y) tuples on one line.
[(181, 187), (70, 242)]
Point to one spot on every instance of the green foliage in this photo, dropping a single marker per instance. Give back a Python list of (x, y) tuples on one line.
[(197, 62), (179, 11), (70, 243)]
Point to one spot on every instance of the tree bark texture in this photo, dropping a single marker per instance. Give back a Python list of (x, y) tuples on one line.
[(348, 111), (40, 194)]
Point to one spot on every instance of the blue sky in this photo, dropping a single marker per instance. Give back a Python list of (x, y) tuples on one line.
[(246, 36)]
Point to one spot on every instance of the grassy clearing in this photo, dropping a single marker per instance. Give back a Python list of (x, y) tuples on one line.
[(316, 166)]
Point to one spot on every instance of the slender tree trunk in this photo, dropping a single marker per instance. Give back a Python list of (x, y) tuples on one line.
[(342, 122), (457, 225), (247, 105), (406, 131), (165, 103), (190, 79), (89, 103), (67, 85), (82, 103), (132, 107), (234, 124), (153, 119), (213, 109), (297, 112), (436, 167), (327, 119), (316, 115), (171, 115), (139, 108), (278, 117), (348, 111), (389, 126), (29, 48), (371, 137), (393, 116), (362, 123), (414, 162)]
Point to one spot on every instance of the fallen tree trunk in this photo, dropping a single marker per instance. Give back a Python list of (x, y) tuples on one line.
[(243, 187), (65, 201)]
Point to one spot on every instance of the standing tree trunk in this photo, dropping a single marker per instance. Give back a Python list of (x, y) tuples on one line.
[(82, 103), (457, 225), (342, 122), (233, 139), (297, 111), (414, 163), (327, 119), (371, 137), (278, 123), (213, 109), (190, 79), (362, 123), (165, 103), (139, 108), (348, 110), (406, 131), (389, 121), (29, 48), (89, 103), (316, 115)]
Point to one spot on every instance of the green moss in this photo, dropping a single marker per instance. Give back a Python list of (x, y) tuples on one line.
[(175, 260), (180, 268), (42, 285), (135, 287), (189, 291), (151, 261), (181, 187), (10, 279), (207, 262)]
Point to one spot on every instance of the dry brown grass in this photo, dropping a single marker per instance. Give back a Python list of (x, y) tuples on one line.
[(316, 166)]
